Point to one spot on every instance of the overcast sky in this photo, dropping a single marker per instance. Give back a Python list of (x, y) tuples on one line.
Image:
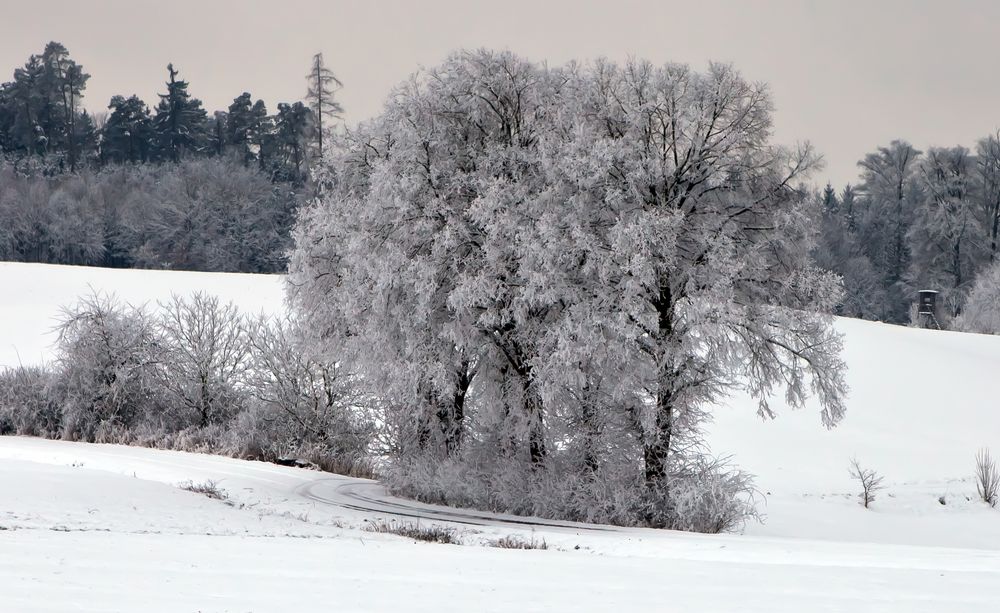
[(847, 75)]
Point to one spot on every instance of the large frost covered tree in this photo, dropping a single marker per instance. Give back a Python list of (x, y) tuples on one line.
[(546, 277), (949, 227), (889, 189)]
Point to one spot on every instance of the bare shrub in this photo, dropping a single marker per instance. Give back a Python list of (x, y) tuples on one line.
[(28, 405), (871, 482), (206, 488), (108, 357), (987, 478), (514, 541), (413, 530), (206, 357), (303, 407), (703, 495), (194, 376)]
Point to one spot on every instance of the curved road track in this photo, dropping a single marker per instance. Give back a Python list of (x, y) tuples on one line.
[(371, 497), (268, 481)]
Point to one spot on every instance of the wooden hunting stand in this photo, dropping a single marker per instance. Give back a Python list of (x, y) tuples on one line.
[(927, 309)]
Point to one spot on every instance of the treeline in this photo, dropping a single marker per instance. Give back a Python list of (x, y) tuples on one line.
[(209, 215), (168, 187), (915, 220), (43, 123), (192, 374)]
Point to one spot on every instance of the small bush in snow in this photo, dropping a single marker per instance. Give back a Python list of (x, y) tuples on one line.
[(207, 488), (27, 403), (514, 541), (413, 530), (871, 482), (987, 478)]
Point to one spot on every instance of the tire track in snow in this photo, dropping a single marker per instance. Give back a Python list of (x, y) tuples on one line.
[(370, 497)]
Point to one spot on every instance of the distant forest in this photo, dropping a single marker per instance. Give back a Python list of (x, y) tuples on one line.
[(167, 187), (917, 220)]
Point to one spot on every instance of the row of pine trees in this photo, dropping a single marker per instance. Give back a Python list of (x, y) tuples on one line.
[(42, 116)]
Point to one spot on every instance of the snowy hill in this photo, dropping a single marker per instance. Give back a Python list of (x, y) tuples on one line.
[(922, 402), (34, 293)]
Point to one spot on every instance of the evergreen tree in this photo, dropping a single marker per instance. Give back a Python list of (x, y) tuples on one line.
[(216, 133), (63, 82), (6, 117), (128, 133), (838, 250), (243, 125), (261, 127), (831, 205), (292, 126), (85, 138), (849, 205), (180, 122), (26, 100), (323, 87), (39, 109)]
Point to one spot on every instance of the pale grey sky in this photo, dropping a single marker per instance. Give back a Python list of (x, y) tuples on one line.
[(847, 75)]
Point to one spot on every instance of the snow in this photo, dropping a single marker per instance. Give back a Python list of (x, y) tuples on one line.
[(106, 528), (922, 403), (34, 293)]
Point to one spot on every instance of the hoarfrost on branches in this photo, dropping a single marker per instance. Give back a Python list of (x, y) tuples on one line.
[(549, 275)]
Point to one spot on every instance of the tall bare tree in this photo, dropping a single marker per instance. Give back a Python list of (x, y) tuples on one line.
[(323, 88)]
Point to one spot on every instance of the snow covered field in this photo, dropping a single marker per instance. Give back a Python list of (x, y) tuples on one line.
[(33, 294), (105, 528)]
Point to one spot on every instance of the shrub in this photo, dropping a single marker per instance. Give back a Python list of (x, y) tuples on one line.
[(108, 356), (871, 482), (206, 488), (206, 356), (302, 407), (702, 496), (987, 478), (28, 405), (413, 530), (514, 541)]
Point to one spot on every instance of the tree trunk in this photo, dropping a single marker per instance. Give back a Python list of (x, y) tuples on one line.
[(657, 447), (591, 431), (657, 443), (995, 215), (453, 427), (536, 426)]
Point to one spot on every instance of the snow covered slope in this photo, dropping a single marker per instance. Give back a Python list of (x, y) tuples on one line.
[(922, 403), (32, 294), (105, 528)]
